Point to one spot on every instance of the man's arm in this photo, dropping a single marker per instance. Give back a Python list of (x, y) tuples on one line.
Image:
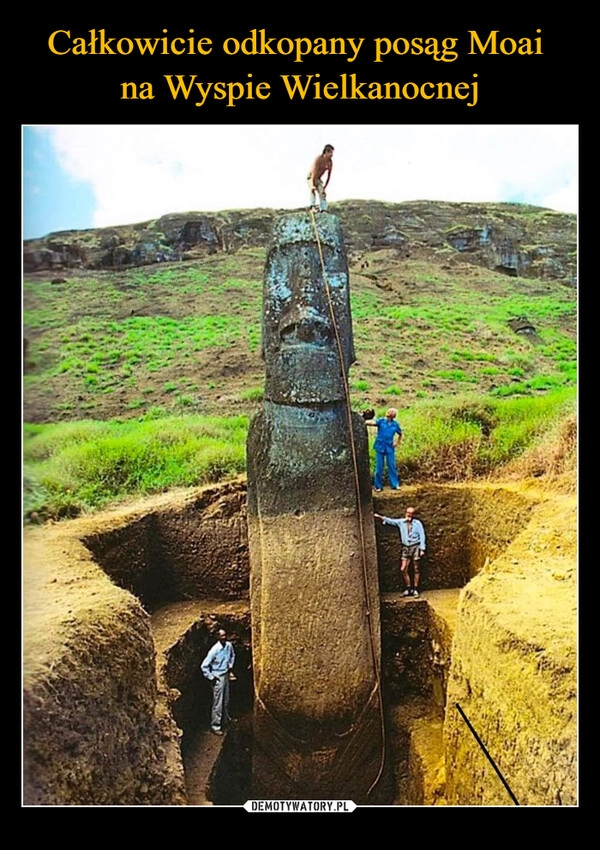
[(397, 437), (329, 170), (386, 520), (313, 174), (206, 665)]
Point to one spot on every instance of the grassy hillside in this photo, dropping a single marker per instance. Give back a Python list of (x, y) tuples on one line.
[(111, 351), (185, 337)]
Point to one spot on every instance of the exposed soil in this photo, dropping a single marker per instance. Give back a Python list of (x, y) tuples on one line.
[(104, 726)]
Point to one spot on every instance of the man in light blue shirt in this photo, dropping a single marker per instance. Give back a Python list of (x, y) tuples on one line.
[(412, 543), (215, 667)]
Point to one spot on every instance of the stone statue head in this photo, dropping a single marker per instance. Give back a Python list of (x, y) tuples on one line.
[(298, 337)]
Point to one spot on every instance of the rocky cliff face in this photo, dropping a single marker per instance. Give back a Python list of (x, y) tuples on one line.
[(515, 239)]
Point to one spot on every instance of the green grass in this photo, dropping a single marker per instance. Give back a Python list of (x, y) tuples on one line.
[(453, 375), (472, 436), (452, 325), (144, 342), (208, 308), (72, 467), (108, 335), (472, 356), (253, 394), (537, 384), (166, 342)]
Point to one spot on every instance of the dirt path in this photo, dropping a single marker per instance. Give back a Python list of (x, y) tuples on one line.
[(202, 754)]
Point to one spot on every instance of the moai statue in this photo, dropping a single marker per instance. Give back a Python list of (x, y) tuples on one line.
[(318, 729)]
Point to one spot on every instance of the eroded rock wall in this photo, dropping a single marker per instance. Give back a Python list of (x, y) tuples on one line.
[(94, 729), (512, 238), (514, 671)]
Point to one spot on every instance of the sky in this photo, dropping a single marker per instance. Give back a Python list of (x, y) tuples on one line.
[(82, 176)]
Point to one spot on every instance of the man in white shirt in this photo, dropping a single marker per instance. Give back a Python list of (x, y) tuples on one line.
[(412, 542), (215, 667)]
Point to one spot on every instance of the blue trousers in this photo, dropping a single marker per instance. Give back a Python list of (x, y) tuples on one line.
[(220, 706), (389, 455)]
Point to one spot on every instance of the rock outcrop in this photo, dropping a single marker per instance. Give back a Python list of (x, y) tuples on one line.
[(516, 239)]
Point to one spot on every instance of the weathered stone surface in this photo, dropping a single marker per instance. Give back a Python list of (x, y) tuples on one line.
[(314, 594), (299, 334)]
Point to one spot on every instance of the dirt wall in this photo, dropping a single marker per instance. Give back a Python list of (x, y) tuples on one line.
[(94, 729), (180, 671), (191, 547), (514, 670), (464, 526), (416, 649), (98, 726), (185, 548)]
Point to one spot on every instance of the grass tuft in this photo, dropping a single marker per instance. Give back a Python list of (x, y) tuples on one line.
[(73, 467)]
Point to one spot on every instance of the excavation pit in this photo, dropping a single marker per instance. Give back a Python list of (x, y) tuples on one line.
[(416, 653), (120, 609)]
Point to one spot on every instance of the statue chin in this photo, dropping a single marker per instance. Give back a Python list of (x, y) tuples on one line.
[(304, 374)]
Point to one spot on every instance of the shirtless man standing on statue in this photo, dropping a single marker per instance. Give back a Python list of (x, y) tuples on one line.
[(322, 164)]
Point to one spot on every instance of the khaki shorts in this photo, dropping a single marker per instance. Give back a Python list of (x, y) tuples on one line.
[(411, 552)]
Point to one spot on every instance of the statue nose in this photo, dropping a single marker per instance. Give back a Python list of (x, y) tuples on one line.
[(304, 324)]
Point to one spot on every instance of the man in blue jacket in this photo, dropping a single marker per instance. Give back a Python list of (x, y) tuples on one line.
[(215, 667), (389, 434), (412, 544)]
